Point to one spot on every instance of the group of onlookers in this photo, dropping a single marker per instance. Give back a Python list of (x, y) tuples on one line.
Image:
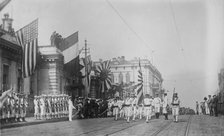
[(91, 107), (208, 107)]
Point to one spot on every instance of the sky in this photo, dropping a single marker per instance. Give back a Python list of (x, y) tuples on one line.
[(182, 38)]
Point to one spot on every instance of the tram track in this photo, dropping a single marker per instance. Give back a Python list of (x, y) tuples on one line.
[(164, 127), (188, 126), (118, 127), (108, 126)]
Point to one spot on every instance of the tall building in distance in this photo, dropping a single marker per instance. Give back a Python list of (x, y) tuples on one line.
[(126, 71)]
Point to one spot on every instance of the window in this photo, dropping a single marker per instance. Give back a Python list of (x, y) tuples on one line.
[(19, 80), (112, 78), (120, 78), (127, 77), (5, 77)]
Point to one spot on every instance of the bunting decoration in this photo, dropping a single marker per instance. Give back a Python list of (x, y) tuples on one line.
[(103, 70)]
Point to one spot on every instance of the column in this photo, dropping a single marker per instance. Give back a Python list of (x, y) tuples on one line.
[(1, 71), (53, 78)]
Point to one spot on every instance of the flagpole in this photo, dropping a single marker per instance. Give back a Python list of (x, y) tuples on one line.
[(85, 93)]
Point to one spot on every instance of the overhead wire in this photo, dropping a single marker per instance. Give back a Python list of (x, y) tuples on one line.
[(129, 27)]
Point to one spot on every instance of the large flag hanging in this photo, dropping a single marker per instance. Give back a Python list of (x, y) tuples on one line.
[(71, 53), (139, 90), (86, 70), (103, 70), (27, 37), (70, 47)]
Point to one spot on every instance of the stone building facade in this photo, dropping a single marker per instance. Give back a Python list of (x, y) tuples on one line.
[(10, 58), (126, 71)]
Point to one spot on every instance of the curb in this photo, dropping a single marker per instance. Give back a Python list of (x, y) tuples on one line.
[(21, 124)]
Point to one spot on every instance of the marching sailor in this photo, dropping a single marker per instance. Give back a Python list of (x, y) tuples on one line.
[(128, 108), (115, 108), (175, 107), (157, 103), (147, 101), (121, 109), (140, 109), (165, 105), (134, 107)]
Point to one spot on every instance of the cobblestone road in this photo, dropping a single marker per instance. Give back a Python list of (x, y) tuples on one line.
[(187, 126)]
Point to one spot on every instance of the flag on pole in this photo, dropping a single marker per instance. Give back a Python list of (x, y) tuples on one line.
[(70, 47), (104, 72), (71, 53), (139, 90), (87, 65), (3, 3), (27, 37)]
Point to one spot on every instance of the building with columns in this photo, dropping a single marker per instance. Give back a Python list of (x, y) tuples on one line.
[(126, 71), (10, 57)]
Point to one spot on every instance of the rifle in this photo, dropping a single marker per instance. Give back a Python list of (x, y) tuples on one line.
[(173, 95)]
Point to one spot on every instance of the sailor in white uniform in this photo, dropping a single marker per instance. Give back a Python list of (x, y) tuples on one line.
[(165, 105), (157, 103), (175, 107), (147, 101), (70, 108)]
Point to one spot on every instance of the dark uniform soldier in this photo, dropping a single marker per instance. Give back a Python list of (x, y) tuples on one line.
[(215, 105), (52, 107), (47, 106)]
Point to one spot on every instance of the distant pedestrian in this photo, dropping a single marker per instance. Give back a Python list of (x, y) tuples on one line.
[(165, 106), (215, 105), (206, 106), (197, 107), (210, 105)]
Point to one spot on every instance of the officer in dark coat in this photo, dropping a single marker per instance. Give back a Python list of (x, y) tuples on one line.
[(215, 105)]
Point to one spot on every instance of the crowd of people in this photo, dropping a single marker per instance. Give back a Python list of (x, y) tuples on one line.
[(58, 106), (128, 108), (208, 107), (13, 108)]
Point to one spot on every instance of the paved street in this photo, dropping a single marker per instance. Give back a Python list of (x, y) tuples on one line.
[(187, 126)]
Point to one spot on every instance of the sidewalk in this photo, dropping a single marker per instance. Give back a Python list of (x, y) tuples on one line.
[(31, 121)]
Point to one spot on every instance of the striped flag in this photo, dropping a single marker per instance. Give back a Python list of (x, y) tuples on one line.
[(139, 90), (70, 47), (27, 37)]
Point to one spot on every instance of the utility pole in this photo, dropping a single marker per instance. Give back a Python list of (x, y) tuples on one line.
[(87, 50)]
